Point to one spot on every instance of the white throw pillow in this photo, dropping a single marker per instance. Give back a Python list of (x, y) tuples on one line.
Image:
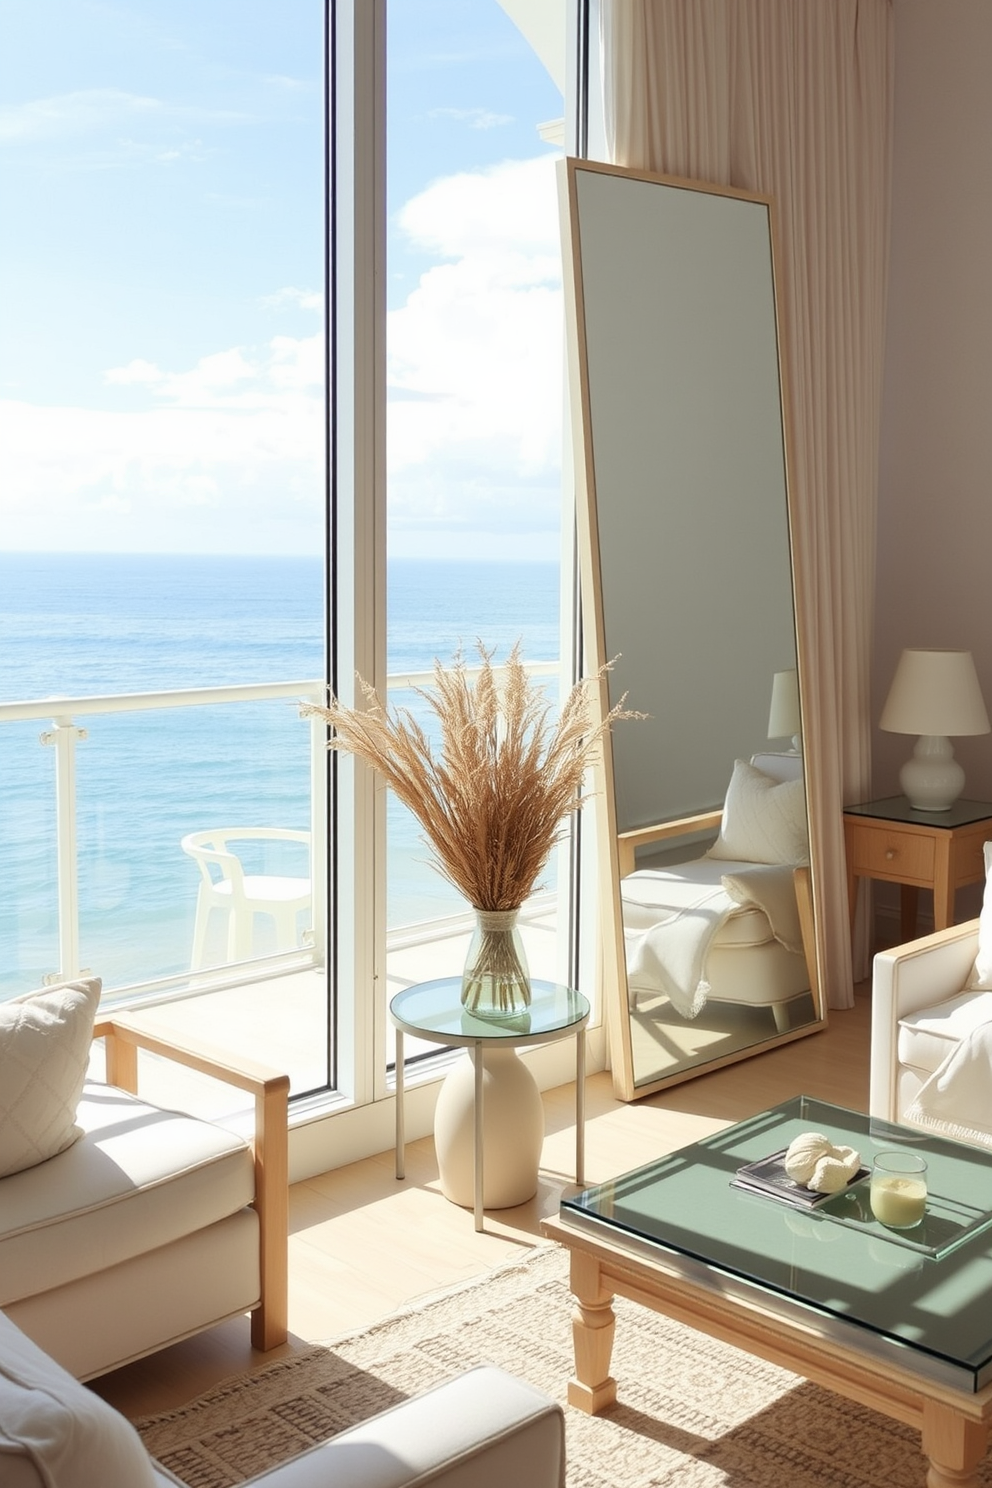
[(764, 820), (981, 972), (55, 1431), (45, 1042)]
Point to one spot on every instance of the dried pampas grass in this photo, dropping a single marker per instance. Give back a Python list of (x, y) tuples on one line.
[(493, 800)]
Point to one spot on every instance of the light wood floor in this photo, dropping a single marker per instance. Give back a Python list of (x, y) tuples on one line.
[(363, 1245)]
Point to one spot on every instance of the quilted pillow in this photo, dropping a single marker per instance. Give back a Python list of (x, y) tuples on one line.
[(764, 820), (44, 1053)]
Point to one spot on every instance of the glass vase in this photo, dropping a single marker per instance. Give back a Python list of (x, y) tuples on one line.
[(496, 981)]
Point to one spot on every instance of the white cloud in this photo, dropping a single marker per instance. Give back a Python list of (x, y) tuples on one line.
[(228, 453), (475, 356), (304, 299), (475, 118), (232, 459), (73, 113)]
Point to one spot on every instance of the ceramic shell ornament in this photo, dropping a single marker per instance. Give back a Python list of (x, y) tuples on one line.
[(814, 1161)]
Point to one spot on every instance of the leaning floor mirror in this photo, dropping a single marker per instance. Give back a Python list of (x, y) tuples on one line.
[(709, 946)]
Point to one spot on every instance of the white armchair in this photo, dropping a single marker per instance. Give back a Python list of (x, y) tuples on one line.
[(124, 1226), (746, 960), (921, 1011)]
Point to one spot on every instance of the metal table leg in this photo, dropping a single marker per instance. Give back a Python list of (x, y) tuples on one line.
[(479, 1072), (400, 1123), (580, 1107)]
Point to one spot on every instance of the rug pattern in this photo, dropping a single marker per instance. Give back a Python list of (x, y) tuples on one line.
[(692, 1413)]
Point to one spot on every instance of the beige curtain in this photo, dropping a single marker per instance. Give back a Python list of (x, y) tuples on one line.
[(792, 98)]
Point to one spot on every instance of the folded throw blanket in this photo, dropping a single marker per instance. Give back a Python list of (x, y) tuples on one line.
[(672, 916), (772, 887), (956, 1101)]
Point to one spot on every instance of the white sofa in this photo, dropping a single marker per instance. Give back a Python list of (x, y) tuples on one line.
[(483, 1429), (920, 1013), (152, 1224)]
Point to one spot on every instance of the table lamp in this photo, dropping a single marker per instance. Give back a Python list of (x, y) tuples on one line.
[(934, 694), (783, 719)]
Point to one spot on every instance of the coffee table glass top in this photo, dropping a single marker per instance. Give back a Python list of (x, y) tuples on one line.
[(928, 1291), (433, 1010)]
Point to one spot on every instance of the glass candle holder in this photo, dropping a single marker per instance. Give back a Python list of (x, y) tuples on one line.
[(898, 1192)]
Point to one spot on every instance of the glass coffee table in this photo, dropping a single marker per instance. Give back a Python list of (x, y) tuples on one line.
[(898, 1320)]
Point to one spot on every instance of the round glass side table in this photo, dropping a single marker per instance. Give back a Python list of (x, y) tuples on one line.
[(433, 1011)]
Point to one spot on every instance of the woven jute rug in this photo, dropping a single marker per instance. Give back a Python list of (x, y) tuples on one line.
[(692, 1413)]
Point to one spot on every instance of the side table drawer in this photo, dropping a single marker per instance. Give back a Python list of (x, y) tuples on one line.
[(902, 856), (968, 858)]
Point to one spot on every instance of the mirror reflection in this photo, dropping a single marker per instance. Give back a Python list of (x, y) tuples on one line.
[(687, 582)]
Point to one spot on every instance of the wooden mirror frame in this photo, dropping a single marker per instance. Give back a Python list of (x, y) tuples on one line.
[(617, 844)]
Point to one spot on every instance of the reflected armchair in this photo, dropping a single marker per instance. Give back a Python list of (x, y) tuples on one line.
[(740, 925)]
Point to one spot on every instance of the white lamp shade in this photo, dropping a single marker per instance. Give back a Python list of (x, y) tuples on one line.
[(783, 719), (935, 692)]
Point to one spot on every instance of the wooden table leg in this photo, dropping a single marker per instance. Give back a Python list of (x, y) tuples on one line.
[(955, 1446), (943, 889), (909, 898), (593, 1323)]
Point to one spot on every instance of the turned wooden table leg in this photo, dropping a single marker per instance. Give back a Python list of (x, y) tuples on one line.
[(954, 1445), (593, 1322)]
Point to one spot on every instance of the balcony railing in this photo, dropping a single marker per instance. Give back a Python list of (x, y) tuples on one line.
[(68, 721)]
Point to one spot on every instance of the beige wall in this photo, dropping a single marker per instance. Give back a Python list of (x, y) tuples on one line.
[(935, 495)]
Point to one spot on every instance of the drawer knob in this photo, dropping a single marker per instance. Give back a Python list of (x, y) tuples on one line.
[(890, 853)]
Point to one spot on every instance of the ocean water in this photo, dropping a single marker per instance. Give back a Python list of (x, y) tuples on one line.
[(101, 625)]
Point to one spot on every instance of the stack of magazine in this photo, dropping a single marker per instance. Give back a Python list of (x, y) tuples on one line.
[(769, 1178)]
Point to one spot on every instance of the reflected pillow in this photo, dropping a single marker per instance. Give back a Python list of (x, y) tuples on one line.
[(45, 1042), (764, 820), (981, 972)]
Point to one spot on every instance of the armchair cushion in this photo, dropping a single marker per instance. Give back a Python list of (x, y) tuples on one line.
[(45, 1042), (928, 1036), (764, 820), (139, 1178)]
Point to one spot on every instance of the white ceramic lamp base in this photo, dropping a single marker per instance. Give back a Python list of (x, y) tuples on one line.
[(512, 1131), (931, 778)]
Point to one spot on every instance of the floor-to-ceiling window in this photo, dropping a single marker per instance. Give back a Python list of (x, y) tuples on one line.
[(168, 504), (162, 492), (473, 346)]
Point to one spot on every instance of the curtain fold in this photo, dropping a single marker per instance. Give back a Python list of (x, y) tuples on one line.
[(794, 100)]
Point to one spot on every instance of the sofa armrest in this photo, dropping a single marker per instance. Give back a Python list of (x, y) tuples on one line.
[(483, 1429), (909, 977), (270, 1092)]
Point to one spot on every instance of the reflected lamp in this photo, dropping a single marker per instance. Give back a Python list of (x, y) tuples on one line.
[(934, 694), (783, 718)]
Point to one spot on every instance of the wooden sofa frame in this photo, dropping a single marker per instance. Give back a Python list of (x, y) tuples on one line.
[(269, 1090)]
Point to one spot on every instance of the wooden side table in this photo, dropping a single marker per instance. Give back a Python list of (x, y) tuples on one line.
[(938, 850)]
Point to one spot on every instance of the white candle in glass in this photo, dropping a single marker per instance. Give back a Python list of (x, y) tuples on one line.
[(898, 1189)]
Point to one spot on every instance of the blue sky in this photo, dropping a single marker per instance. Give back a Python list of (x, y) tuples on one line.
[(160, 273)]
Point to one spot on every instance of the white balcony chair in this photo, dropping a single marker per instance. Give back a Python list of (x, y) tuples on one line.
[(224, 885)]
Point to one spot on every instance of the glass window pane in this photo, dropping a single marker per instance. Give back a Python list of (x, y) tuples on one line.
[(162, 482), (474, 390)]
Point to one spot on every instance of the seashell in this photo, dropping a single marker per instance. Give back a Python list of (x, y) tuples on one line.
[(814, 1161), (834, 1170), (803, 1155)]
